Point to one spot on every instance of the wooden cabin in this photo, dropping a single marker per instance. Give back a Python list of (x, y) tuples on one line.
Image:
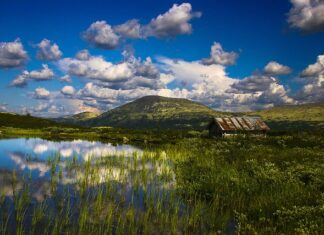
[(228, 126)]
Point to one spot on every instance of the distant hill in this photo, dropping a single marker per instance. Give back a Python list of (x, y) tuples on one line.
[(25, 121), (173, 113), (303, 112), (76, 118), (294, 117), (168, 113), (157, 112)]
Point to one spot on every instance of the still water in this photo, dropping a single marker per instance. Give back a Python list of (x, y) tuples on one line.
[(71, 177), (31, 155)]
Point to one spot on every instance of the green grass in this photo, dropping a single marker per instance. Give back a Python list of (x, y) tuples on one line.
[(26, 121), (272, 185)]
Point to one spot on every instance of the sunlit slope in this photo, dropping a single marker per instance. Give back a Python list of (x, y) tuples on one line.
[(77, 118), (294, 117), (157, 112)]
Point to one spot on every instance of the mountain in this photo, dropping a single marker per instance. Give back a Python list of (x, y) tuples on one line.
[(25, 121), (157, 112), (76, 118)]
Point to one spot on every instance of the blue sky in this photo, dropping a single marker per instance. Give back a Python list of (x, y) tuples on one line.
[(136, 48)]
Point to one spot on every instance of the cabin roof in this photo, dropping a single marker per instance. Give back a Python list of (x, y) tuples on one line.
[(241, 123)]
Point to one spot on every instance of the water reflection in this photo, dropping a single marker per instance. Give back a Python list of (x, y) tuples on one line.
[(79, 175), (31, 158), (41, 161)]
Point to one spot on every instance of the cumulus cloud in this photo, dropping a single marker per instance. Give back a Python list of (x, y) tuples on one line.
[(47, 109), (21, 80), (12, 54), (219, 56), (313, 79), (187, 74), (62, 105), (130, 29), (107, 97), (208, 84), (175, 21), (130, 72), (307, 15), (101, 35), (41, 93), (274, 68), (83, 55), (258, 91), (68, 90), (96, 68), (172, 23), (66, 78), (43, 74), (314, 69), (48, 51)]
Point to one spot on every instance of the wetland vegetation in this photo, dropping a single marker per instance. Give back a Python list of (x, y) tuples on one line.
[(189, 185)]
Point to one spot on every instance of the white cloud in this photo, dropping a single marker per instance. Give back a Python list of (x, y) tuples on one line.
[(187, 74), (43, 74), (68, 90), (129, 73), (208, 84), (41, 93), (83, 55), (48, 51), (258, 91), (314, 69), (172, 23), (274, 68), (146, 69), (219, 56), (61, 106), (130, 29), (12, 54), (96, 68), (21, 80), (307, 15), (101, 35), (107, 97), (3, 107), (66, 78), (313, 79)]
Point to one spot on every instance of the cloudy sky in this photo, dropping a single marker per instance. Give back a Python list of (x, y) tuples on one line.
[(59, 57)]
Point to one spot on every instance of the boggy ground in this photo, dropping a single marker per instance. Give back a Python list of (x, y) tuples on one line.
[(191, 185)]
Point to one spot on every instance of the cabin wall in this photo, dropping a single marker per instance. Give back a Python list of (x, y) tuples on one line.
[(215, 131)]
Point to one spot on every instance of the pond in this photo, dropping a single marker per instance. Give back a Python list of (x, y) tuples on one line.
[(31, 156), (71, 186)]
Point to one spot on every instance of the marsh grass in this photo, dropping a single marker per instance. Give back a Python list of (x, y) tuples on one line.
[(197, 186)]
